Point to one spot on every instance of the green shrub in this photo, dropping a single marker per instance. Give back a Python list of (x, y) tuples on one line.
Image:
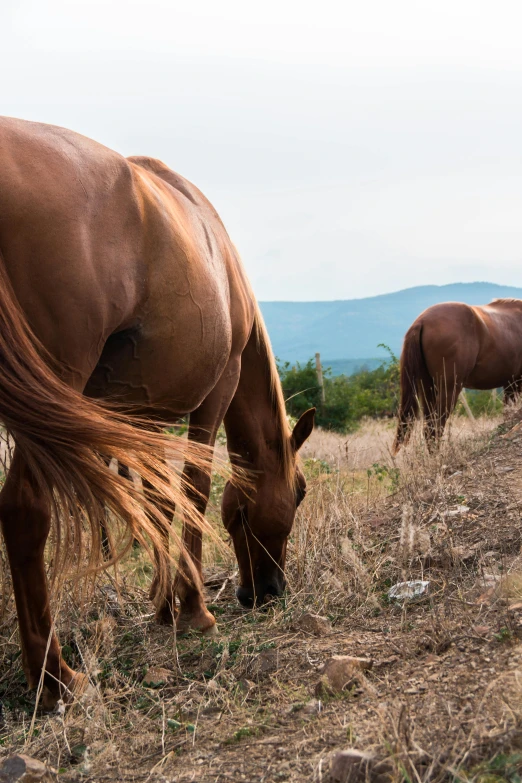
[(372, 393), (482, 403)]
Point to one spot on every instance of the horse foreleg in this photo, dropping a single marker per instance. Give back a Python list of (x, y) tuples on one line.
[(203, 428), (25, 519), (188, 585)]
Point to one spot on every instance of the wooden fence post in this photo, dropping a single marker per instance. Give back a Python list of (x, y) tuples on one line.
[(320, 375)]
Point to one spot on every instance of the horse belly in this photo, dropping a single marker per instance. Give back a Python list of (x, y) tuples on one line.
[(166, 370), (484, 378)]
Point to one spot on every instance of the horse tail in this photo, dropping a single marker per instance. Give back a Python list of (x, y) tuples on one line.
[(65, 441), (415, 384)]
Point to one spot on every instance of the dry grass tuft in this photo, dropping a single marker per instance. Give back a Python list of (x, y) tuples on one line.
[(443, 701)]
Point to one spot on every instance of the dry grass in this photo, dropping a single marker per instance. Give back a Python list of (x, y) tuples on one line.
[(373, 440), (444, 699)]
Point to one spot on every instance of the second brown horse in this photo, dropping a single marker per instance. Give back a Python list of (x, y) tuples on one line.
[(452, 346)]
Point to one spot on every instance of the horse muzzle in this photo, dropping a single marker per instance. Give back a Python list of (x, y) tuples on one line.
[(262, 593)]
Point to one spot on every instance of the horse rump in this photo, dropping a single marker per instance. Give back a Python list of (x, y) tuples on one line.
[(65, 441), (416, 385)]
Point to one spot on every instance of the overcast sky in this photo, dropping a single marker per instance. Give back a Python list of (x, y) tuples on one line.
[(352, 148)]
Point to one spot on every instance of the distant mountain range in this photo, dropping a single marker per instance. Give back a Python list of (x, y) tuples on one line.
[(347, 332)]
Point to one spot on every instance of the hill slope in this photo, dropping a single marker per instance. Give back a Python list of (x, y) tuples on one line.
[(442, 701), (352, 328)]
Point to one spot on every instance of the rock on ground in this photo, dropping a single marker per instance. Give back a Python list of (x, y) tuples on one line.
[(266, 662), (341, 672), (157, 676), (353, 766), (23, 769), (314, 623)]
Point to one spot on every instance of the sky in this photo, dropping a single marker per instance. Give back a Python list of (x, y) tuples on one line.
[(351, 148)]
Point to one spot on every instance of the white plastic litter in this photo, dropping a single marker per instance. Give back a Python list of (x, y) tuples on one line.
[(455, 512), (408, 591)]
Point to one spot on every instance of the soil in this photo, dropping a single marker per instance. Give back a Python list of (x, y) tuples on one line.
[(443, 700)]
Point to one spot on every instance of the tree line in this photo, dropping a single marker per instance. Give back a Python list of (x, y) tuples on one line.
[(365, 394)]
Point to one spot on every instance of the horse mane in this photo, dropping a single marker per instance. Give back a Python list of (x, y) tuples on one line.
[(264, 347), (508, 302)]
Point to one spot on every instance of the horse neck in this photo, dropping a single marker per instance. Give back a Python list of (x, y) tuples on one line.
[(255, 422)]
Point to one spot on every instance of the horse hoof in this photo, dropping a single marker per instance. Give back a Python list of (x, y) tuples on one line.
[(165, 616), (78, 689), (205, 624)]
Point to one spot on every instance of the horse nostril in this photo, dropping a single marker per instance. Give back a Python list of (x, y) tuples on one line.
[(245, 596), (268, 593), (261, 594)]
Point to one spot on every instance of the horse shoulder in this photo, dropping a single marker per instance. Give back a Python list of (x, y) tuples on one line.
[(161, 170)]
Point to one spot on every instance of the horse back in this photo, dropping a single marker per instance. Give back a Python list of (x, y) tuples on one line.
[(70, 235), (480, 345), (95, 244), (205, 252)]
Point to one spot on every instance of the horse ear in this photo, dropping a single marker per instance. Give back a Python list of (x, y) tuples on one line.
[(303, 429)]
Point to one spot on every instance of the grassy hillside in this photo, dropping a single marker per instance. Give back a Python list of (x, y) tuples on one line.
[(440, 699), (353, 328)]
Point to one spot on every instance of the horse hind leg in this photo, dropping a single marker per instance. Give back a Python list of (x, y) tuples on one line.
[(439, 402), (512, 392), (106, 546), (25, 519), (165, 603)]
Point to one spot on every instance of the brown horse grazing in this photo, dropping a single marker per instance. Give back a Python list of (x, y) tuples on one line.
[(118, 281), (452, 346)]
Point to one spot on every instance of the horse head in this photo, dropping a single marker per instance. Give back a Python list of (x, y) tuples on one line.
[(259, 521)]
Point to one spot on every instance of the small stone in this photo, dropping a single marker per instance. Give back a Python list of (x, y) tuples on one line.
[(314, 624), (24, 769), (515, 607), (245, 685), (313, 707), (481, 630), (341, 672), (377, 521), (156, 676), (353, 766), (463, 554), (266, 662)]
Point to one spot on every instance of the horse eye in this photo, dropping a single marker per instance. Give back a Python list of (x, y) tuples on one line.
[(299, 495)]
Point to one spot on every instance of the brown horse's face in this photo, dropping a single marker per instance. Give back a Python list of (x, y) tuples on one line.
[(260, 523)]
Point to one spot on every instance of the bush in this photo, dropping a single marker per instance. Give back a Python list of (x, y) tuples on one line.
[(482, 403), (373, 393)]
